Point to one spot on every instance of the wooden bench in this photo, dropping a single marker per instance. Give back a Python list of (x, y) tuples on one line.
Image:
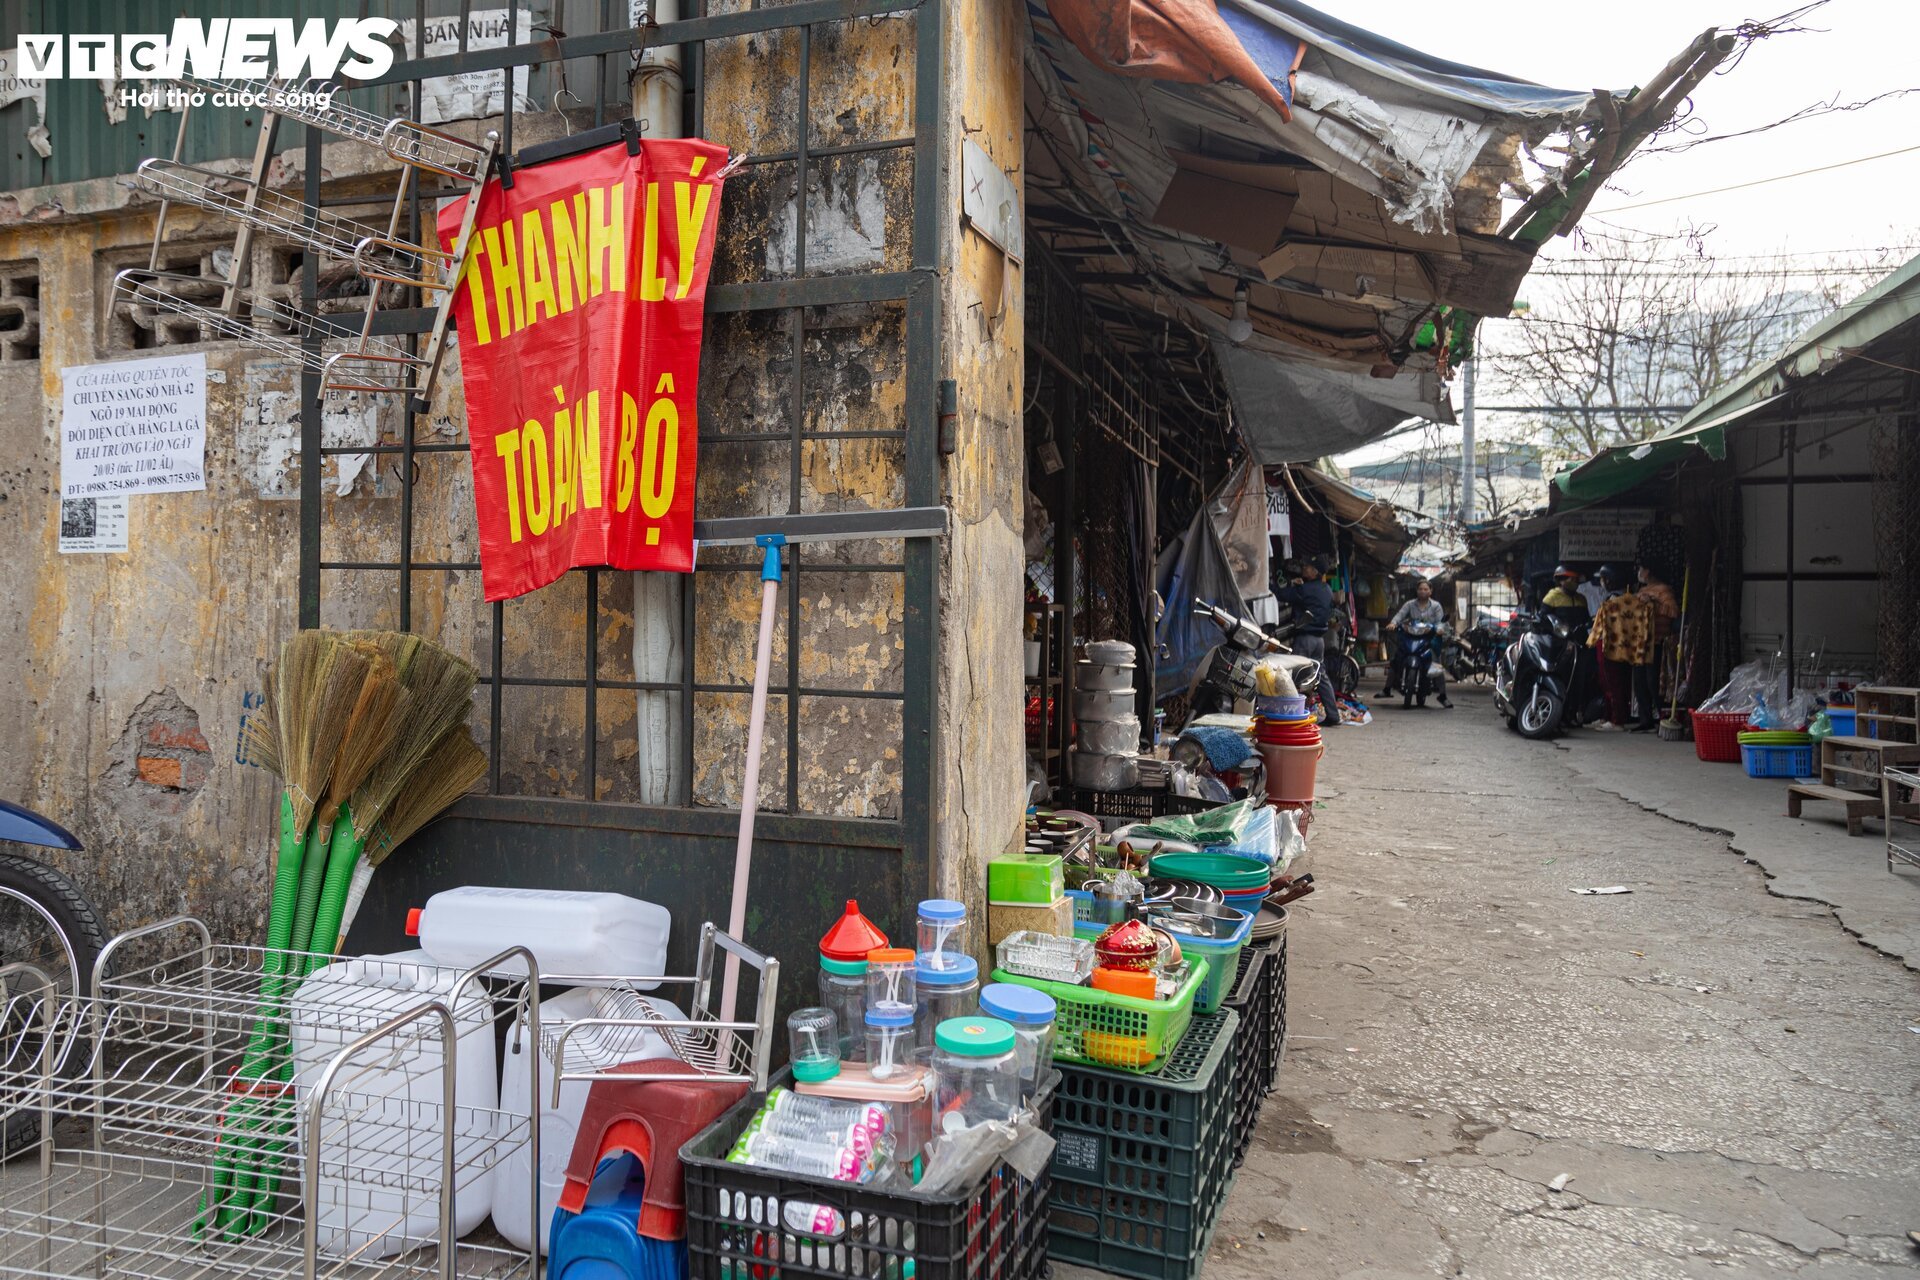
[(1860, 805), (1858, 785)]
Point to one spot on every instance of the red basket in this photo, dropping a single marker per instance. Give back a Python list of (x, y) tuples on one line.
[(1716, 735)]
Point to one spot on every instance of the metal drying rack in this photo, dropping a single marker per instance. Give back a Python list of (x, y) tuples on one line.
[(140, 1104), (380, 256)]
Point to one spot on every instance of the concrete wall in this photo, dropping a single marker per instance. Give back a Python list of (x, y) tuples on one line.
[(121, 711)]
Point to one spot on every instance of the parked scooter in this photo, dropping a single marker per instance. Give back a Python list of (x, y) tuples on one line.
[(1419, 649), (1535, 673), (1225, 676)]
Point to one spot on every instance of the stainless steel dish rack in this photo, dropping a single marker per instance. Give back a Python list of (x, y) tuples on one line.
[(141, 1108), (355, 1164)]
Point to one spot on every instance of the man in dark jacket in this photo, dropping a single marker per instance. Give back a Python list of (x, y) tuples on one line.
[(1312, 602)]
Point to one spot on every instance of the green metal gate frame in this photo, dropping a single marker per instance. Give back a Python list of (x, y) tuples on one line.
[(683, 856)]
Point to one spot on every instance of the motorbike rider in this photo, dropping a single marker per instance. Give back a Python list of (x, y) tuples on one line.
[(1424, 608), (1564, 598), (1312, 602)]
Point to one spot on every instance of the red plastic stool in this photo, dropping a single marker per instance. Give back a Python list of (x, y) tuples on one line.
[(650, 1120)]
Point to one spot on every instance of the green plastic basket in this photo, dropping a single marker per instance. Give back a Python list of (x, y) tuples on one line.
[(1121, 1033)]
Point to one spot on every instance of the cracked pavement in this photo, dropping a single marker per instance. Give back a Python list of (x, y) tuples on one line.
[(1728, 1077)]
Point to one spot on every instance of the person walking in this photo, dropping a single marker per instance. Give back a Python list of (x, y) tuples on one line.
[(1312, 602), (1622, 639), (1646, 675)]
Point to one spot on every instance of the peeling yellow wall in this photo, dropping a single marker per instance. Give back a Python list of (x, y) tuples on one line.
[(198, 607)]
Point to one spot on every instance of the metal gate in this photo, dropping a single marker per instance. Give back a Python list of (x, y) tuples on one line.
[(566, 823)]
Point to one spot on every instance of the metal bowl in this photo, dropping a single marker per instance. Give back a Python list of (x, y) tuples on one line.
[(1198, 916)]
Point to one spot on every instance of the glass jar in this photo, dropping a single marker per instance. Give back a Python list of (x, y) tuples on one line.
[(976, 1073), (952, 991), (889, 1042), (813, 1044), (943, 932), (890, 985), (1030, 1013), (843, 989)]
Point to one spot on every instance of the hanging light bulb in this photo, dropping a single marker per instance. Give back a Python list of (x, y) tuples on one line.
[(1239, 328)]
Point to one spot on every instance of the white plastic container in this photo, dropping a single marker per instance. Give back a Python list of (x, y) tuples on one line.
[(380, 1170), (558, 1125), (571, 933)]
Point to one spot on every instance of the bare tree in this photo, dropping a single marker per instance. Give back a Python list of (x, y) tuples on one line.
[(1624, 325)]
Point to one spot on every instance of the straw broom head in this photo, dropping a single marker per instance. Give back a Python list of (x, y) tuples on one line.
[(260, 738), (450, 770), (440, 688), (400, 646), (319, 683), (375, 721)]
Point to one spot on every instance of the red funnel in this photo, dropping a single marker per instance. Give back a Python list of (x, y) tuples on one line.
[(852, 936)]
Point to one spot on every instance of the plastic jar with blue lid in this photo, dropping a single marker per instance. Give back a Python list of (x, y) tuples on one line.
[(942, 932), (945, 991), (1030, 1013)]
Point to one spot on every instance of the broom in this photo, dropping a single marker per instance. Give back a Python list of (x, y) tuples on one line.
[(442, 697), (310, 700), (378, 712), (1673, 728)]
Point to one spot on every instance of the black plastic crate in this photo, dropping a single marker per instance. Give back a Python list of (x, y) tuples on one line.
[(1254, 1048), (1144, 1162), (1141, 804), (1276, 980), (996, 1231)]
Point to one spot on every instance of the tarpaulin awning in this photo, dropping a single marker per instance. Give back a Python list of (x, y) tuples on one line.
[(1626, 466), (1290, 411), (1374, 523)]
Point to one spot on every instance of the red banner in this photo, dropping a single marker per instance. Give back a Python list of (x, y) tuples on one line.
[(579, 311)]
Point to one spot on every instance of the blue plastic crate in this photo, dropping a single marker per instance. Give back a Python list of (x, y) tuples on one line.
[(1777, 762), (1841, 718)]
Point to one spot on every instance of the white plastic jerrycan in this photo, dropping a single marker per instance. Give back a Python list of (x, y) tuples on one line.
[(380, 1130), (589, 1048), (571, 933)]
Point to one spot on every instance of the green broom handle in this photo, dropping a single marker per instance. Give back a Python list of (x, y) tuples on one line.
[(342, 858), (273, 966)]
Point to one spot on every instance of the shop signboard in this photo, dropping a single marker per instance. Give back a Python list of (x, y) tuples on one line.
[(1604, 533), (579, 312)]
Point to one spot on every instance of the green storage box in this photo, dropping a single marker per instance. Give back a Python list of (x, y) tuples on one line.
[(1025, 880)]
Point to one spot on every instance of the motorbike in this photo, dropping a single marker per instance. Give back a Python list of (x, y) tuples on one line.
[(1226, 678), (1473, 656), (1419, 649), (1534, 676)]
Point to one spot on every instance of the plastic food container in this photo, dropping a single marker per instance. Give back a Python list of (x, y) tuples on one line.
[(571, 933), (890, 987), (379, 1182), (1110, 652), (976, 1073), (1045, 955), (813, 1043), (1116, 737), (1031, 1014), (1105, 704), (944, 994), (889, 1042), (943, 933), (1102, 676), (843, 989), (1031, 879), (1104, 773), (559, 1124)]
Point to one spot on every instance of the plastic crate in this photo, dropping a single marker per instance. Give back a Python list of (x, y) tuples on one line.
[(1254, 1047), (1223, 962), (1777, 762), (996, 1230), (1276, 980), (1140, 804), (1126, 1033), (1841, 718), (1716, 735), (1143, 1163)]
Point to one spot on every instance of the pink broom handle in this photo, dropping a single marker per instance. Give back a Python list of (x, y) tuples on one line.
[(750, 779)]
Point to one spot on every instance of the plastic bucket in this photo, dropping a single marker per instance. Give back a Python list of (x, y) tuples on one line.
[(1290, 771)]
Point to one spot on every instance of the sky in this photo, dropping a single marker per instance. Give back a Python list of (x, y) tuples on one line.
[(1859, 48)]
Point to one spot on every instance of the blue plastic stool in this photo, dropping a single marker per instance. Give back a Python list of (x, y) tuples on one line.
[(603, 1240)]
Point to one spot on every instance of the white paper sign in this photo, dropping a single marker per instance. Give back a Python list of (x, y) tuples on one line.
[(138, 426), (1603, 533), (92, 524), (15, 87), (472, 94)]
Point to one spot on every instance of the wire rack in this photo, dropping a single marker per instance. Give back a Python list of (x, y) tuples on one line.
[(406, 141), (624, 1035), (275, 213), (373, 1138), (1901, 790), (278, 328)]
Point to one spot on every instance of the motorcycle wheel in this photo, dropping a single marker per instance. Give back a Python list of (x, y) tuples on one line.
[(1540, 717), (1480, 675), (47, 928)]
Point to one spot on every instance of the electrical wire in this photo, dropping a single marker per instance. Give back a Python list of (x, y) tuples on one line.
[(1761, 182)]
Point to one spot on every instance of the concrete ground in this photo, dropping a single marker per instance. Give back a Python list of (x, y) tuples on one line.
[(1726, 1078)]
